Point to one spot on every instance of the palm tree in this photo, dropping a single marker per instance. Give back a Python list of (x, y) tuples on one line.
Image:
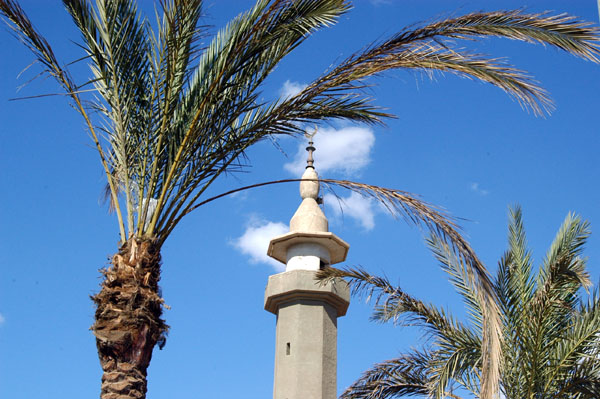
[(550, 333), (168, 118)]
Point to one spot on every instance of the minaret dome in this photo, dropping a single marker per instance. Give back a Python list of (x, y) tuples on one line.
[(309, 245)]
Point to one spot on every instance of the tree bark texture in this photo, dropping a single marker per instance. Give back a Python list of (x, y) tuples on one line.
[(128, 319)]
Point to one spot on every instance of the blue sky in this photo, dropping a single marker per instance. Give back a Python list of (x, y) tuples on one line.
[(460, 144)]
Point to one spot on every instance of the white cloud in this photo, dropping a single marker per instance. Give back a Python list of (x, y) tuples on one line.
[(475, 188), (344, 150), (2, 319), (255, 241), (240, 195), (355, 206), (290, 89)]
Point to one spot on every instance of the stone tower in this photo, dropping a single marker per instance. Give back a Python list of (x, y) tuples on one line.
[(307, 312)]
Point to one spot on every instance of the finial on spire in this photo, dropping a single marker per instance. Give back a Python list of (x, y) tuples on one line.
[(310, 161), (309, 186)]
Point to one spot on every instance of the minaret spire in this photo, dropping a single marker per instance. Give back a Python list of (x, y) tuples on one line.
[(310, 161), (309, 217), (307, 311)]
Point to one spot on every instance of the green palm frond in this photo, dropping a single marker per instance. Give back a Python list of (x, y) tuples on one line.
[(514, 324), (457, 347), (576, 344), (585, 379), (563, 271), (520, 257), (404, 376), (562, 31), (427, 48), (452, 365), (217, 117), (551, 338), (548, 314), (584, 388), (174, 51), (515, 288), (456, 357), (116, 42), (459, 277), (393, 304), (516, 266)]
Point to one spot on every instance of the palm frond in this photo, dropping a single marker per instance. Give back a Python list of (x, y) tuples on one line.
[(576, 344), (458, 349), (563, 271), (173, 52), (23, 29), (429, 48), (515, 290), (403, 376), (416, 211), (548, 313), (459, 277), (214, 115), (116, 42), (561, 31), (392, 303), (25, 32), (336, 94), (550, 347), (455, 362), (411, 209), (584, 388), (476, 272)]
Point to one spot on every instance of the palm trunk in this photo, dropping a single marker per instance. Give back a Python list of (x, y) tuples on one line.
[(128, 319)]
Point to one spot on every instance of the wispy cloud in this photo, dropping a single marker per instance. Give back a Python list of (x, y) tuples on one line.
[(2, 319), (355, 206), (239, 196), (477, 189), (291, 88), (344, 150), (255, 241)]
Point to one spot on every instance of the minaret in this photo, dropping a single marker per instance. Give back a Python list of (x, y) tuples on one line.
[(307, 312)]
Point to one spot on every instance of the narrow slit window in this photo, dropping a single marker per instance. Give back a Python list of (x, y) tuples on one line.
[(287, 349)]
